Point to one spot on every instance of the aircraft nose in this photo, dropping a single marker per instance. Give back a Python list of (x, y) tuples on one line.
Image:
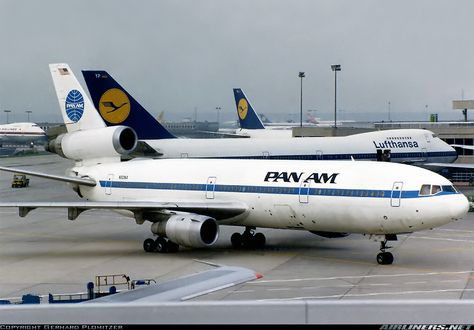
[(459, 207)]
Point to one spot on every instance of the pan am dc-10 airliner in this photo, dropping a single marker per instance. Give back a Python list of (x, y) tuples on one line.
[(187, 200)]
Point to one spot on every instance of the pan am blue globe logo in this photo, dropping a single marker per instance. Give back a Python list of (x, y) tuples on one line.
[(74, 105)]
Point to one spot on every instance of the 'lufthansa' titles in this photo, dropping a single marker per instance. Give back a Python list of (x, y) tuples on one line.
[(298, 177), (396, 144)]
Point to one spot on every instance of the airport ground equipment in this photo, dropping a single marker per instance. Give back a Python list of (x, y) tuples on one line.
[(20, 181)]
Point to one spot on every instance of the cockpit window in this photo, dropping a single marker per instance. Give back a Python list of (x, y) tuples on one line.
[(435, 135), (435, 189), (449, 189), (425, 190)]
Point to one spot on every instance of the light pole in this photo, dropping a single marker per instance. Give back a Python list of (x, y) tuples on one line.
[(7, 112), (389, 111), (301, 75), (28, 113), (335, 68), (218, 109)]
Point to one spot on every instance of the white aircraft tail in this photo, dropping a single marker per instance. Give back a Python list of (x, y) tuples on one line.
[(76, 108)]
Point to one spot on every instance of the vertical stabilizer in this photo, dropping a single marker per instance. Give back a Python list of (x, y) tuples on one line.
[(76, 108), (118, 107), (248, 118)]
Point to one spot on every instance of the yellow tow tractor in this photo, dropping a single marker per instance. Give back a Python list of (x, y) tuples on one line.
[(20, 181)]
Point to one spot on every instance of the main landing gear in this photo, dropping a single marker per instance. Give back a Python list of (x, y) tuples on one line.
[(248, 239), (160, 244), (386, 258)]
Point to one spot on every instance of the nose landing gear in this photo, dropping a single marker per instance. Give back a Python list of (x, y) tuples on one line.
[(384, 257)]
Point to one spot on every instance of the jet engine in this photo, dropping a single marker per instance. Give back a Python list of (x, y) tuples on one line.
[(329, 234), (95, 143), (192, 230)]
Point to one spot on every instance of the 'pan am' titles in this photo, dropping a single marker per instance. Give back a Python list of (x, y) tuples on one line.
[(296, 177)]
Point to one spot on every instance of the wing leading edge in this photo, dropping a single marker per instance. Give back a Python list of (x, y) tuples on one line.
[(142, 210)]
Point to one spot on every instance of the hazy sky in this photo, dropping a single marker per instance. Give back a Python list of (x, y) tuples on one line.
[(180, 55)]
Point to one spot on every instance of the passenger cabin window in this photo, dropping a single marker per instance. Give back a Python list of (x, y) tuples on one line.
[(425, 190)]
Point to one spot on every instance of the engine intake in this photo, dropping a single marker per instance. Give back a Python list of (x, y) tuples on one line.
[(192, 230), (105, 142)]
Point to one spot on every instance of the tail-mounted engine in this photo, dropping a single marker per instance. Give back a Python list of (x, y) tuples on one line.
[(192, 230), (105, 142)]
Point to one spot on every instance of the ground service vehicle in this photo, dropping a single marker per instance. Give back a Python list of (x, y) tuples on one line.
[(20, 181)]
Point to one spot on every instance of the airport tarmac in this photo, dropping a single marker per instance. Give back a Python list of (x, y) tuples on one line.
[(46, 253)]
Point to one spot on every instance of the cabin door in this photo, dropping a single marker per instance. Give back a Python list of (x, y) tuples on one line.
[(424, 154), (210, 187), (396, 195), (304, 192), (319, 155), (108, 184)]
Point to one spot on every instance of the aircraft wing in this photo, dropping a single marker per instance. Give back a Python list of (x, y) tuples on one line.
[(464, 146), (225, 134), (82, 181), (183, 288), (216, 209), (440, 166)]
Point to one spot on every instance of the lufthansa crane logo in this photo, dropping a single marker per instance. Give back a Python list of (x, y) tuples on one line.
[(74, 105), (242, 108), (114, 106)]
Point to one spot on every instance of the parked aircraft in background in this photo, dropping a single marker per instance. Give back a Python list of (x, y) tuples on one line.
[(404, 145), (252, 125), (21, 134), (15, 137), (186, 200)]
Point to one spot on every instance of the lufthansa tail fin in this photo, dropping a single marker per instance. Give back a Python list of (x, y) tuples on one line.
[(118, 107), (248, 118), (76, 108)]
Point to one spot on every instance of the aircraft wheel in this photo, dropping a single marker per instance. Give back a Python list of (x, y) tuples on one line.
[(385, 258), (149, 245), (259, 240), (172, 246), (236, 240), (161, 245)]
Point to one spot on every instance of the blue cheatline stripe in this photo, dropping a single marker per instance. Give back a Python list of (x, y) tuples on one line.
[(366, 156), (369, 193)]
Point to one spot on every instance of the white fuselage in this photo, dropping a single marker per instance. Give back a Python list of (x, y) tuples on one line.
[(21, 133), (334, 196), (405, 145)]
